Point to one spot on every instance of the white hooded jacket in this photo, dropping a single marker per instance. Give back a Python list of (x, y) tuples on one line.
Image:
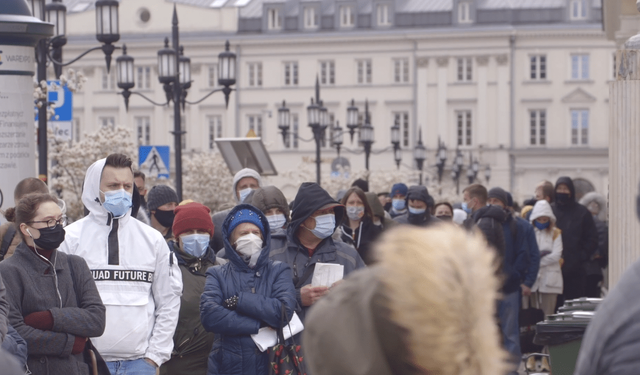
[(140, 289), (550, 274)]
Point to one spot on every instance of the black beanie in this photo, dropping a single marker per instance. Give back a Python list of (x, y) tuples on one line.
[(362, 184), (160, 195), (500, 194)]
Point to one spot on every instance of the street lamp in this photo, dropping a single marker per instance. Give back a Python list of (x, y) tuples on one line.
[(420, 154), (472, 170), (284, 121), (37, 8), (457, 169), (174, 73), (441, 156), (395, 141), (487, 173), (337, 137), (352, 119), (366, 135)]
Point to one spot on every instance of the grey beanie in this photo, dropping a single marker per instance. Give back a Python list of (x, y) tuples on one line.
[(160, 195), (500, 194)]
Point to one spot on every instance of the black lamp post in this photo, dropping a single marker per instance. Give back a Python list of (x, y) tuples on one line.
[(441, 156), (366, 135), (55, 12), (457, 170), (174, 72), (472, 169), (395, 141), (487, 174), (420, 154), (352, 119), (337, 137), (284, 121)]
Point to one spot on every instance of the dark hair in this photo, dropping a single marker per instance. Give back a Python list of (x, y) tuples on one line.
[(477, 191), (29, 185), (548, 190), (362, 184), (356, 190), (139, 174), (435, 208), (28, 206), (118, 161)]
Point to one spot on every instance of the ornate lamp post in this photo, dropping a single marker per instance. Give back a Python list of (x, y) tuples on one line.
[(472, 170), (352, 119), (337, 137), (487, 173), (395, 141), (420, 154), (457, 169), (284, 121), (366, 135), (441, 156)]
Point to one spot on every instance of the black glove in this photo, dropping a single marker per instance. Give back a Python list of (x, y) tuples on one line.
[(231, 303)]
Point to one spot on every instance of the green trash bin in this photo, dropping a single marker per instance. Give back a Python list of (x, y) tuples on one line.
[(563, 333)]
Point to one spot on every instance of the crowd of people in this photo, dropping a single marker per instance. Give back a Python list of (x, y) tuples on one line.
[(145, 283)]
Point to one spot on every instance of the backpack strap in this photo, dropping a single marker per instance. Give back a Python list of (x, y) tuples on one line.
[(6, 240)]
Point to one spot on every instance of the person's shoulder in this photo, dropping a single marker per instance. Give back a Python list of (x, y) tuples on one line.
[(402, 219)]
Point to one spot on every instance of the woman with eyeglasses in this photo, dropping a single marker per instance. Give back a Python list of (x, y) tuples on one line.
[(54, 303)]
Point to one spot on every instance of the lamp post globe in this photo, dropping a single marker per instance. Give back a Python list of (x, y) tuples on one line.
[(284, 121), (352, 119), (420, 154), (184, 68), (337, 137), (107, 21), (226, 67), (37, 9), (166, 64)]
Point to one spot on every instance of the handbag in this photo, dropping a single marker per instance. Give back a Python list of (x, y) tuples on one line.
[(285, 359), (527, 320)]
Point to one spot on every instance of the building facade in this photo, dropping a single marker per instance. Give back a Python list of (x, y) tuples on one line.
[(520, 88)]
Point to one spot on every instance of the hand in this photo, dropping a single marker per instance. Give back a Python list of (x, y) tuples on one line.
[(151, 362), (335, 284), (310, 294), (526, 291)]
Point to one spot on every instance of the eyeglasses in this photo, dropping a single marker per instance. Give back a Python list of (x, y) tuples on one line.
[(51, 223)]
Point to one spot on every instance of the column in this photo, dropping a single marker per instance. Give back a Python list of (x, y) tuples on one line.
[(443, 63), (481, 131), (624, 158), (421, 100)]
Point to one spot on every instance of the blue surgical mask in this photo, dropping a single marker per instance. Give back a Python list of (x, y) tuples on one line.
[(276, 221), (417, 211), (244, 193), (195, 244), (118, 202), (325, 226), (466, 208), (355, 213), (398, 204), (540, 225)]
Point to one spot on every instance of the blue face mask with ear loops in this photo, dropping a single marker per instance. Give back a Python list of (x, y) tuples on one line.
[(195, 244), (325, 226), (118, 202)]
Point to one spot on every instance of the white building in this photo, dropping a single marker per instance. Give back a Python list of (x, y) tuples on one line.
[(442, 66)]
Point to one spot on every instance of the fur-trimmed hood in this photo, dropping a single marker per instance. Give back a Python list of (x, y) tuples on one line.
[(600, 200), (427, 307)]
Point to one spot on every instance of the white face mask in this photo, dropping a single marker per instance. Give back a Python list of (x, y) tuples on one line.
[(249, 244), (244, 193), (276, 221)]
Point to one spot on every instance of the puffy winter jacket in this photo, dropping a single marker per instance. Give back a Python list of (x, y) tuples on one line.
[(262, 291)]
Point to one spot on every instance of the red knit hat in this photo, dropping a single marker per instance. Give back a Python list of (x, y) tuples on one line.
[(192, 216)]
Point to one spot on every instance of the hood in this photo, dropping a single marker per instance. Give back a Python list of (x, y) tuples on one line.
[(374, 202), (231, 254), (459, 216), (310, 198), (600, 200), (270, 197), (246, 172), (493, 212), (569, 182), (542, 208), (91, 194), (418, 192)]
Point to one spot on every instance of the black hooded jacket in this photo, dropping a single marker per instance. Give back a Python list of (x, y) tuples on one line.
[(420, 193), (489, 220), (579, 233), (310, 198)]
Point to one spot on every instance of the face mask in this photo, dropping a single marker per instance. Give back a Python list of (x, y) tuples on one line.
[(355, 213), (398, 204), (117, 202), (325, 226), (562, 198), (540, 225), (195, 244), (387, 206), (417, 211), (445, 217), (276, 221), (244, 193), (50, 238), (165, 218), (249, 244), (466, 208)]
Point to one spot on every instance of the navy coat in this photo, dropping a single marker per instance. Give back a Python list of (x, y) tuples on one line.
[(262, 292)]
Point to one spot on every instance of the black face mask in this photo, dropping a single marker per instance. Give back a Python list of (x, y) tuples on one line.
[(563, 198), (387, 206), (165, 218), (445, 217), (50, 238)]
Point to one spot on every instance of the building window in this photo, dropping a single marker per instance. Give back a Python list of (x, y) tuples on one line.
[(107, 121), (580, 66), (364, 71), (347, 16), (578, 9), (108, 80), (401, 70), (327, 72), (291, 74), (464, 13), (310, 18), (463, 119), (255, 74), (538, 127), (579, 127), (465, 66), (212, 77), (215, 130), (255, 124), (402, 120), (273, 19), (143, 130), (76, 129), (143, 77), (383, 15), (538, 67)]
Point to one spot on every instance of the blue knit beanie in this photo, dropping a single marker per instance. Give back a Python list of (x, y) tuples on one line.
[(399, 188), (246, 215)]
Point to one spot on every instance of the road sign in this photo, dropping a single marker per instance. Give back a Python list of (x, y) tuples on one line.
[(62, 121), (154, 161)]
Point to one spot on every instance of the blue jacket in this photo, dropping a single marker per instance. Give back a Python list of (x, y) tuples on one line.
[(520, 254), (262, 292), (533, 252)]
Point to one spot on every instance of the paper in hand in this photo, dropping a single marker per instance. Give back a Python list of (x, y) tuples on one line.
[(325, 274)]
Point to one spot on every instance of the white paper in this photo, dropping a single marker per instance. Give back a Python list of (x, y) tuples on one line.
[(325, 274), (267, 337)]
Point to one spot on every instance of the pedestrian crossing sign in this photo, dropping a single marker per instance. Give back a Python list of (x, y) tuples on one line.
[(154, 161)]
